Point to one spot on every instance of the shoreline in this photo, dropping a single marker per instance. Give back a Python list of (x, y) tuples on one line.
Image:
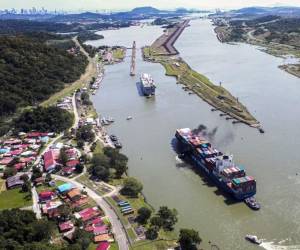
[(216, 96), (103, 138), (274, 49)]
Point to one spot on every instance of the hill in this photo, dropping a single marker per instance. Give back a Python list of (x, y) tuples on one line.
[(145, 10), (31, 71), (278, 11)]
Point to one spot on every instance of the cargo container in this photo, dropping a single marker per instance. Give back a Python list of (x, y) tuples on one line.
[(217, 166)]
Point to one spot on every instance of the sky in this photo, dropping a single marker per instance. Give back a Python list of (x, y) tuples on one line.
[(80, 5)]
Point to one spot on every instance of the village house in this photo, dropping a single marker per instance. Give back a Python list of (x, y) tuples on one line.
[(103, 238), (87, 214), (64, 188), (98, 230), (49, 161), (14, 182), (74, 194), (103, 246), (46, 196), (65, 226), (50, 209)]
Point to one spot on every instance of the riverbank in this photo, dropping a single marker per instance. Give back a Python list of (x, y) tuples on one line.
[(135, 232), (226, 32), (163, 52)]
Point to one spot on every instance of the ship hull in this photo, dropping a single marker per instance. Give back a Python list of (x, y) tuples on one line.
[(148, 91)]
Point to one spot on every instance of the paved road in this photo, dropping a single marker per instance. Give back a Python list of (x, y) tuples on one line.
[(75, 111), (117, 227), (35, 206)]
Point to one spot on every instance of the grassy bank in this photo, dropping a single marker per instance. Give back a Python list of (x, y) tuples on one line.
[(217, 96), (119, 53)]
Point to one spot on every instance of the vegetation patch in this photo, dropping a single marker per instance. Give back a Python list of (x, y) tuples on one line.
[(14, 198), (32, 71), (44, 119)]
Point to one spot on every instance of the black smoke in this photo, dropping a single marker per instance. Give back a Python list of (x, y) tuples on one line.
[(202, 130)]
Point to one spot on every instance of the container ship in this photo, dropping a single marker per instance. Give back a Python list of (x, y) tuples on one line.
[(147, 84), (217, 166)]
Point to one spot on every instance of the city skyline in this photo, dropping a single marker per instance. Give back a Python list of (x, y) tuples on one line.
[(81, 5)]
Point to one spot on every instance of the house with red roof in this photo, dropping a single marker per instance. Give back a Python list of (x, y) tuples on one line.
[(103, 246), (6, 161), (19, 166), (27, 159), (12, 142), (16, 152), (36, 135), (88, 214), (68, 171), (65, 226), (49, 161), (81, 202), (46, 196), (98, 230), (72, 153), (72, 163)]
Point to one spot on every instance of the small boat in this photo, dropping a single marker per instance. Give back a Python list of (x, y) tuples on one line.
[(118, 144), (113, 138), (110, 119), (129, 118), (104, 121), (253, 239), (252, 203)]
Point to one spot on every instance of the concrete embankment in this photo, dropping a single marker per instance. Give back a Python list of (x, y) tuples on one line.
[(170, 41)]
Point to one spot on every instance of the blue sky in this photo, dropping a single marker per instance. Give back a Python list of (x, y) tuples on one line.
[(75, 5)]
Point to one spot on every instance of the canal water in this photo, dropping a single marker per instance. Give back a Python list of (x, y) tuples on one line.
[(272, 158)]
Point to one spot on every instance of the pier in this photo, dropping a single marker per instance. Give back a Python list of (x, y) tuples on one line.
[(164, 45), (133, 59)]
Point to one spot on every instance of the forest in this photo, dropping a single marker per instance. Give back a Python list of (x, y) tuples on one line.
[(31, 71), (21, 230), (50, 119)]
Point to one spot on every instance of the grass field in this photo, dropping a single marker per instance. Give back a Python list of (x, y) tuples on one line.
[(14, 199), (119, 53), (47, 187), (98, 188)]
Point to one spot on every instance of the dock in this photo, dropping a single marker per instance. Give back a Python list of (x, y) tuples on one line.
[(133, 59)]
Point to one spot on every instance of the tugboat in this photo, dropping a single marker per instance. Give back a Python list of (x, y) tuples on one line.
[(252, 203), (253, 239), (110, 119)]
